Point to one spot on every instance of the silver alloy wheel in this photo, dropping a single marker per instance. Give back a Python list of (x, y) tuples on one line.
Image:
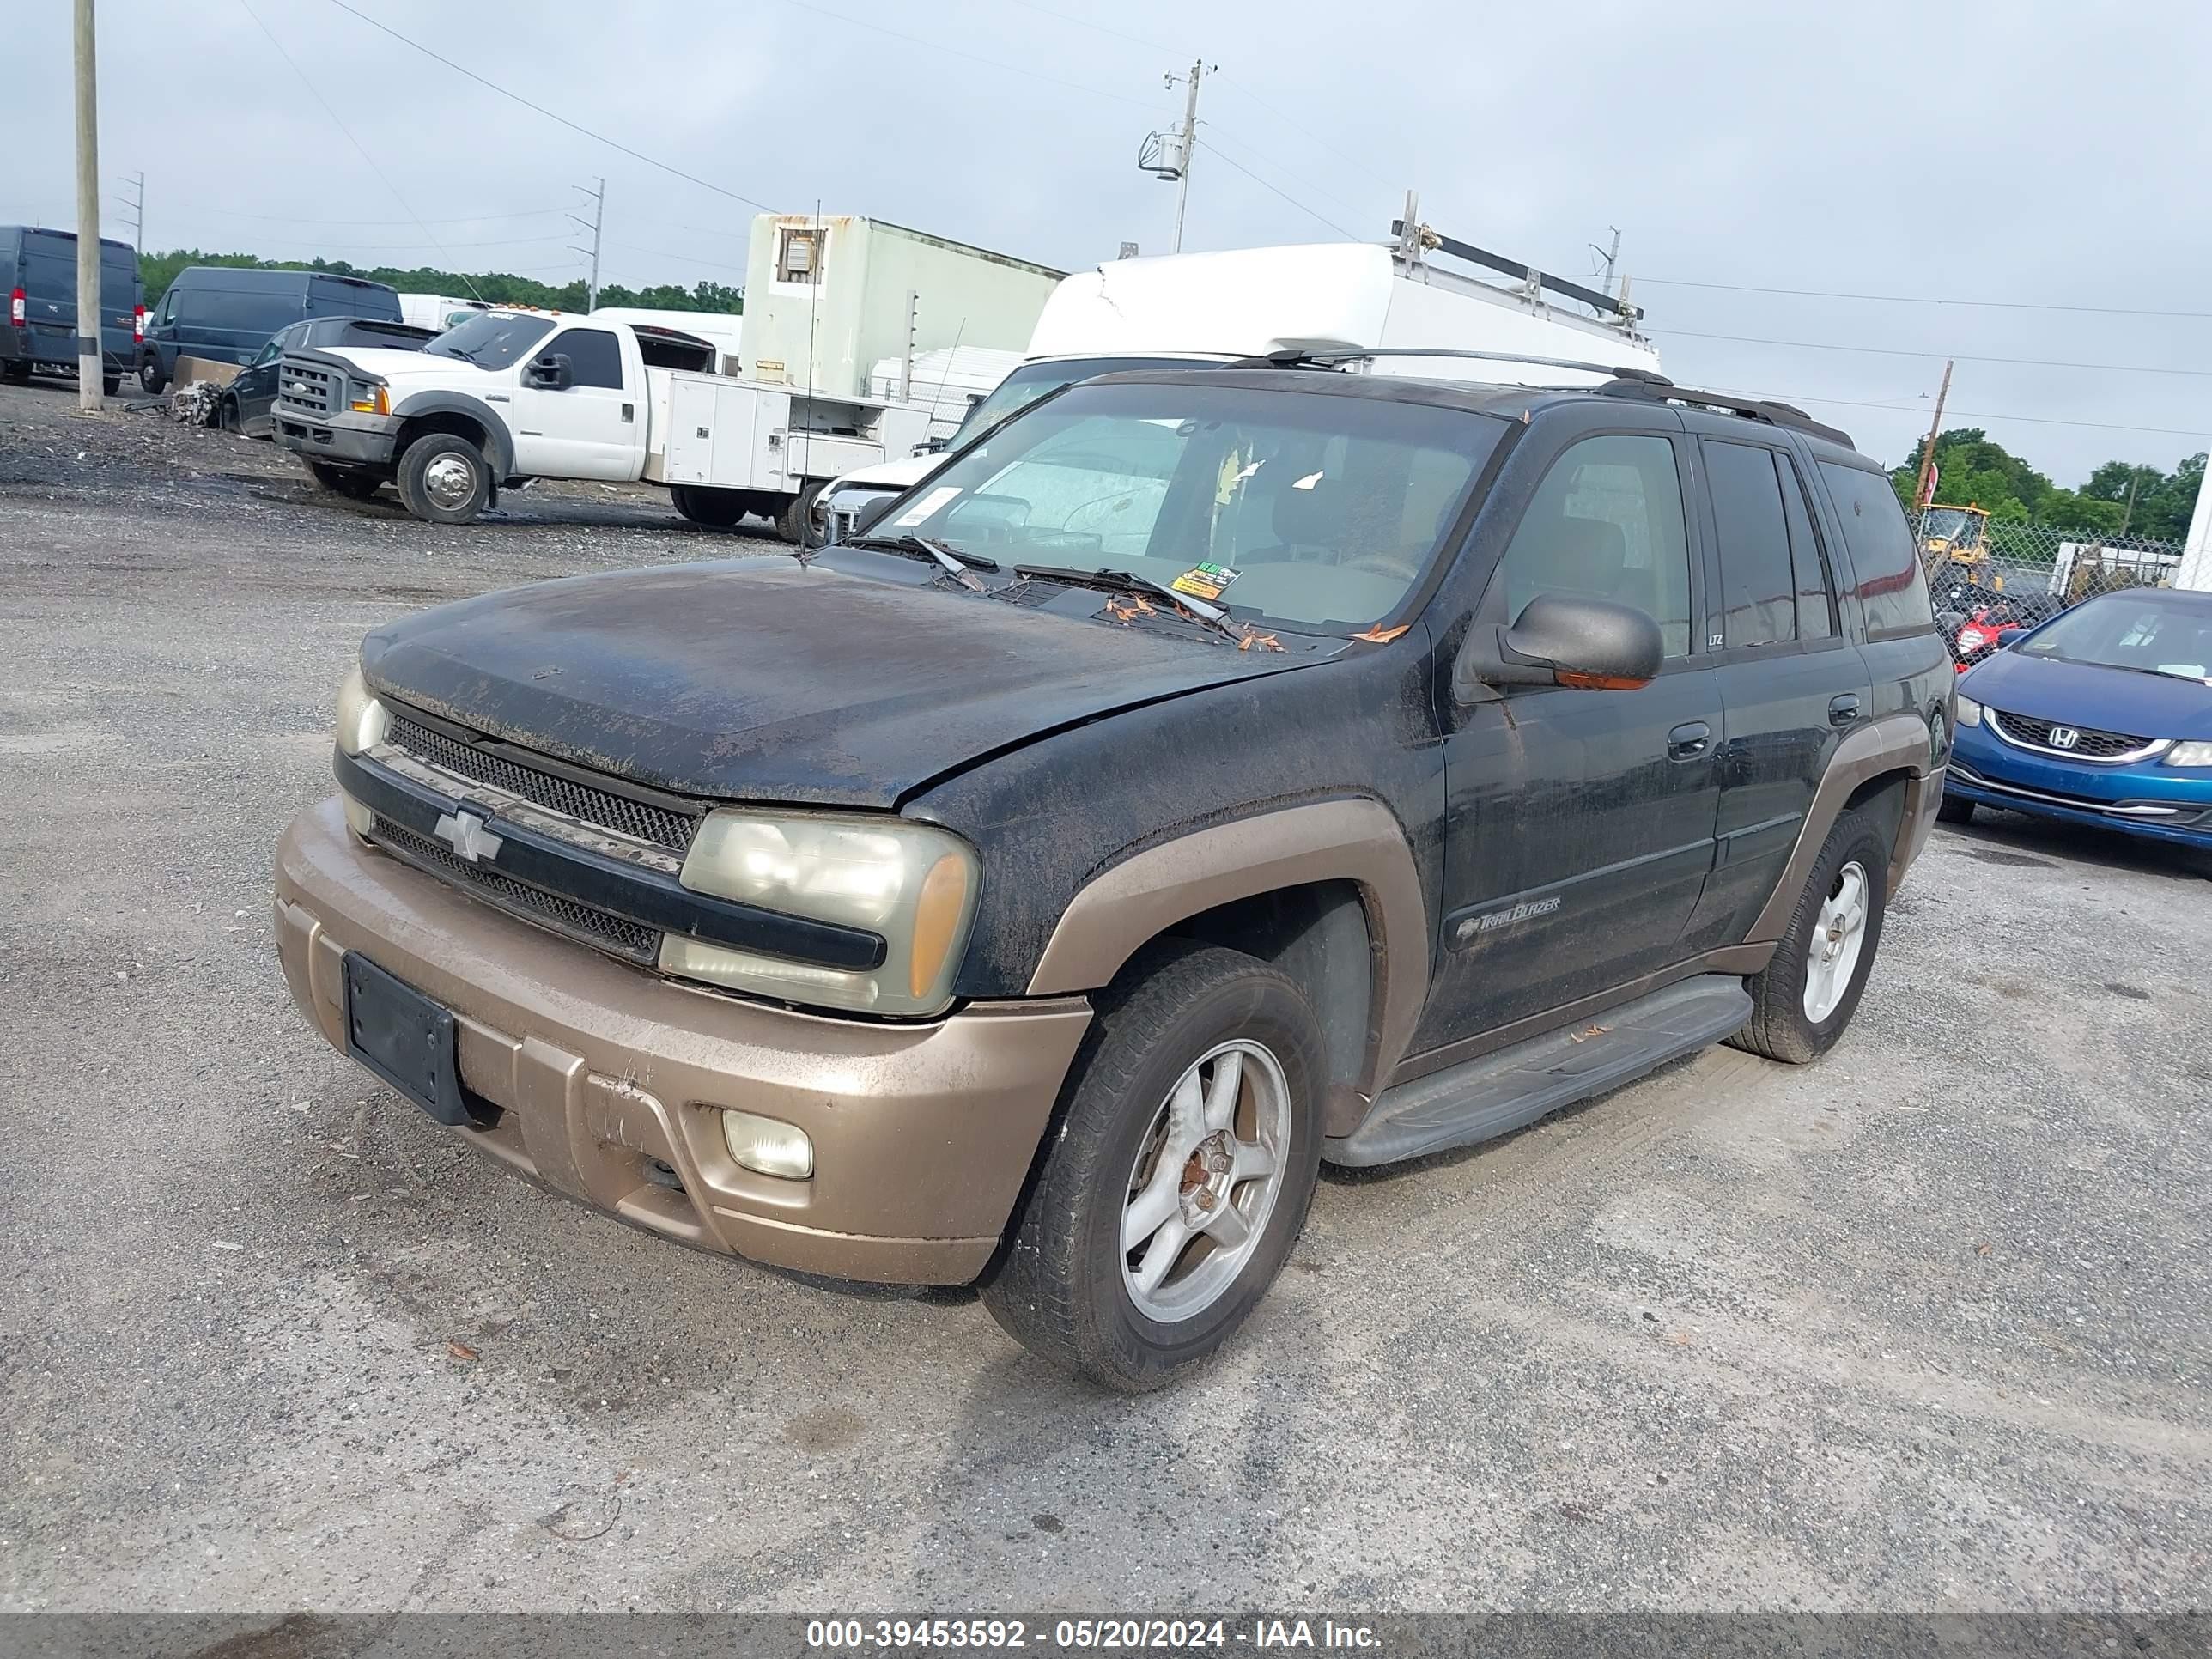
[(450, 480), (1839, 936), (1205, 1180)]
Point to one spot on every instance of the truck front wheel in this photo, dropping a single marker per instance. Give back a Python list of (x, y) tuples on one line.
[(444, 479), (795, 518), (1178, 1176)]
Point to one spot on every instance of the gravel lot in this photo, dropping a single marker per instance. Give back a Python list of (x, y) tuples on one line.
[(1925, 1326)]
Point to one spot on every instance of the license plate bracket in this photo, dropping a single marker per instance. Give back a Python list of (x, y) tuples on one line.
[(404, 1038)]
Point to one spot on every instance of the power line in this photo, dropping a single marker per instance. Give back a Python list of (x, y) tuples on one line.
[(1920, 299), (295, 219), (1084, 22), (371, 161), (1308, 184), (1918, 405), (1284, 194), (597, 138), (1901, 351), (685, 259), (939, 46)]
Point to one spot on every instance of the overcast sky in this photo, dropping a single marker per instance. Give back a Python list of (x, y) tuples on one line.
[(2056, 154)]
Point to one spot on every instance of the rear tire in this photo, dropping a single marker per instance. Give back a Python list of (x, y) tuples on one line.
[(16, 372), (345, 480), (444, 479), (152, 376), (795, 518), (1159, 1132), (1808, 992), (1953, 810), (715, 509)]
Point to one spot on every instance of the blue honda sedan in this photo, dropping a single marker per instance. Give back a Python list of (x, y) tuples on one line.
[(2102, 715)]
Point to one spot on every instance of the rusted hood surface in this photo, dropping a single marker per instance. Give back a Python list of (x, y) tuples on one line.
[(764, 680)]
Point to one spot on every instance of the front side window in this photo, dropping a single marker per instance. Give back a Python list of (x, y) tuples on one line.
[(1607, 523), (1758, 600), (1311, 509), (1891, 588), (491, 339), (594, 356)]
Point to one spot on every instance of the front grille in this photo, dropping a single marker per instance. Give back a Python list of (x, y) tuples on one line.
[(624, 816), (592, 925), (2092, 744), (309, 389)]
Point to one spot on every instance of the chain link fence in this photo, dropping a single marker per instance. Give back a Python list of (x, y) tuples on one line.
[(1987, 576)]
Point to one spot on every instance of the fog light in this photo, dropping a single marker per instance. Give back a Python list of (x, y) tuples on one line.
[(359, 816), (771, 1148)]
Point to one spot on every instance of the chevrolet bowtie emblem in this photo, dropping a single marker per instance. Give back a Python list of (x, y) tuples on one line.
[(469, 835)]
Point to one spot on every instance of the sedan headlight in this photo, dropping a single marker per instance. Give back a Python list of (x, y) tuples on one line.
[(911, 883), (1969, 712), (2189, 754), (362, 720)]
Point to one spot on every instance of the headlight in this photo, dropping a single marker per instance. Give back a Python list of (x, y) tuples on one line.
[(371, 400), (912, 883), (2189, 754), (362, 720), (1969, 712)]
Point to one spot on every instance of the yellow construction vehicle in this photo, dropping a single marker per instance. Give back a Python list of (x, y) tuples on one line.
[(1954, 546)]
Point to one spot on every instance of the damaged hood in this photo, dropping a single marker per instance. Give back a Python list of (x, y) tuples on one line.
[(760, 679)]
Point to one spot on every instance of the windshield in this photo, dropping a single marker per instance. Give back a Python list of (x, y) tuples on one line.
[(1318, 510), (2122, 632), (491, 341), (1034, 380), (1953, 524)]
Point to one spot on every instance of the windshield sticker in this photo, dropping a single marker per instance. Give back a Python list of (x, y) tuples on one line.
[(928, 505), (1205, 581), (1306, 482)]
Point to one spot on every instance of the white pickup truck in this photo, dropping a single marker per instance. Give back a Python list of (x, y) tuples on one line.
[(507, 396)]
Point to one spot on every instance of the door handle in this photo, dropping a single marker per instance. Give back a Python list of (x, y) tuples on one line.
[(1843, 710), (1689, 740)]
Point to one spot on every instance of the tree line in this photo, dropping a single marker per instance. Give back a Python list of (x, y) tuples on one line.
[(157, 270), (2119, 500)]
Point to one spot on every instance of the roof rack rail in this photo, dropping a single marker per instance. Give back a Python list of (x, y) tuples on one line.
[(1658, 388), (1423, 237), (1295, 357)]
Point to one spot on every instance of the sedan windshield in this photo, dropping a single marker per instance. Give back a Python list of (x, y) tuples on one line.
[(1313, 509), (491, 340), (2118, 630)]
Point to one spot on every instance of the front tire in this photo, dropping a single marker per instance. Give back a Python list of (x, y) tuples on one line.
[(1953, 808), (444, 479), (1806, 994), (151, 376), (794, 519), (1178, 1177)]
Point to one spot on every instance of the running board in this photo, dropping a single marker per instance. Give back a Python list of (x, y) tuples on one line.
[(1501, 1092)]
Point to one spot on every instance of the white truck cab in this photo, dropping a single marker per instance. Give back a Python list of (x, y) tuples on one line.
[(509, 395), (1197, 310)]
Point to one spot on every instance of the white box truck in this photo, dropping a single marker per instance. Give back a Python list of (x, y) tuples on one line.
[(507, 396), (1194, 309)]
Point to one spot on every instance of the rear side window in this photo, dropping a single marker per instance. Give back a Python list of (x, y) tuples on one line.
[(1759, 602), (1816, 595), (1607, 523), (1891, 587), (245, 311), (594, 356)]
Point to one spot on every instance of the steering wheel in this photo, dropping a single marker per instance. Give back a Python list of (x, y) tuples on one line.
[(1394, 563)]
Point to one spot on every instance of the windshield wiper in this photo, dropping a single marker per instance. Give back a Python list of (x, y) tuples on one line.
[(957, 561), (1127, 582)]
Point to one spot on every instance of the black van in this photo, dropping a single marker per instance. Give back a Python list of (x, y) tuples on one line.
[(38, 273), (225, 314)]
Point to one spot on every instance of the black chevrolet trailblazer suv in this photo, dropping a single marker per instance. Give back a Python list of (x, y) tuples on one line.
[(1204, 775)]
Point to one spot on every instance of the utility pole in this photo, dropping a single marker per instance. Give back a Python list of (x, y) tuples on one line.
[(89, 370), (1928, 449), (137, 206), (599, 216), (1612, 260), (1189, 142)]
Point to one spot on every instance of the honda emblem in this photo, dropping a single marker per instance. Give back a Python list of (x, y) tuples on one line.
[(2064, 737)]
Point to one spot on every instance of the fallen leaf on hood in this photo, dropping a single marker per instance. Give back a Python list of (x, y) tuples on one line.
[(1379, 635), (1254, 641)]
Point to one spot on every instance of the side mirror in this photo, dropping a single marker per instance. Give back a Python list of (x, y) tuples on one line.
[(553, 371), (2007, 635), (1589, 645)]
